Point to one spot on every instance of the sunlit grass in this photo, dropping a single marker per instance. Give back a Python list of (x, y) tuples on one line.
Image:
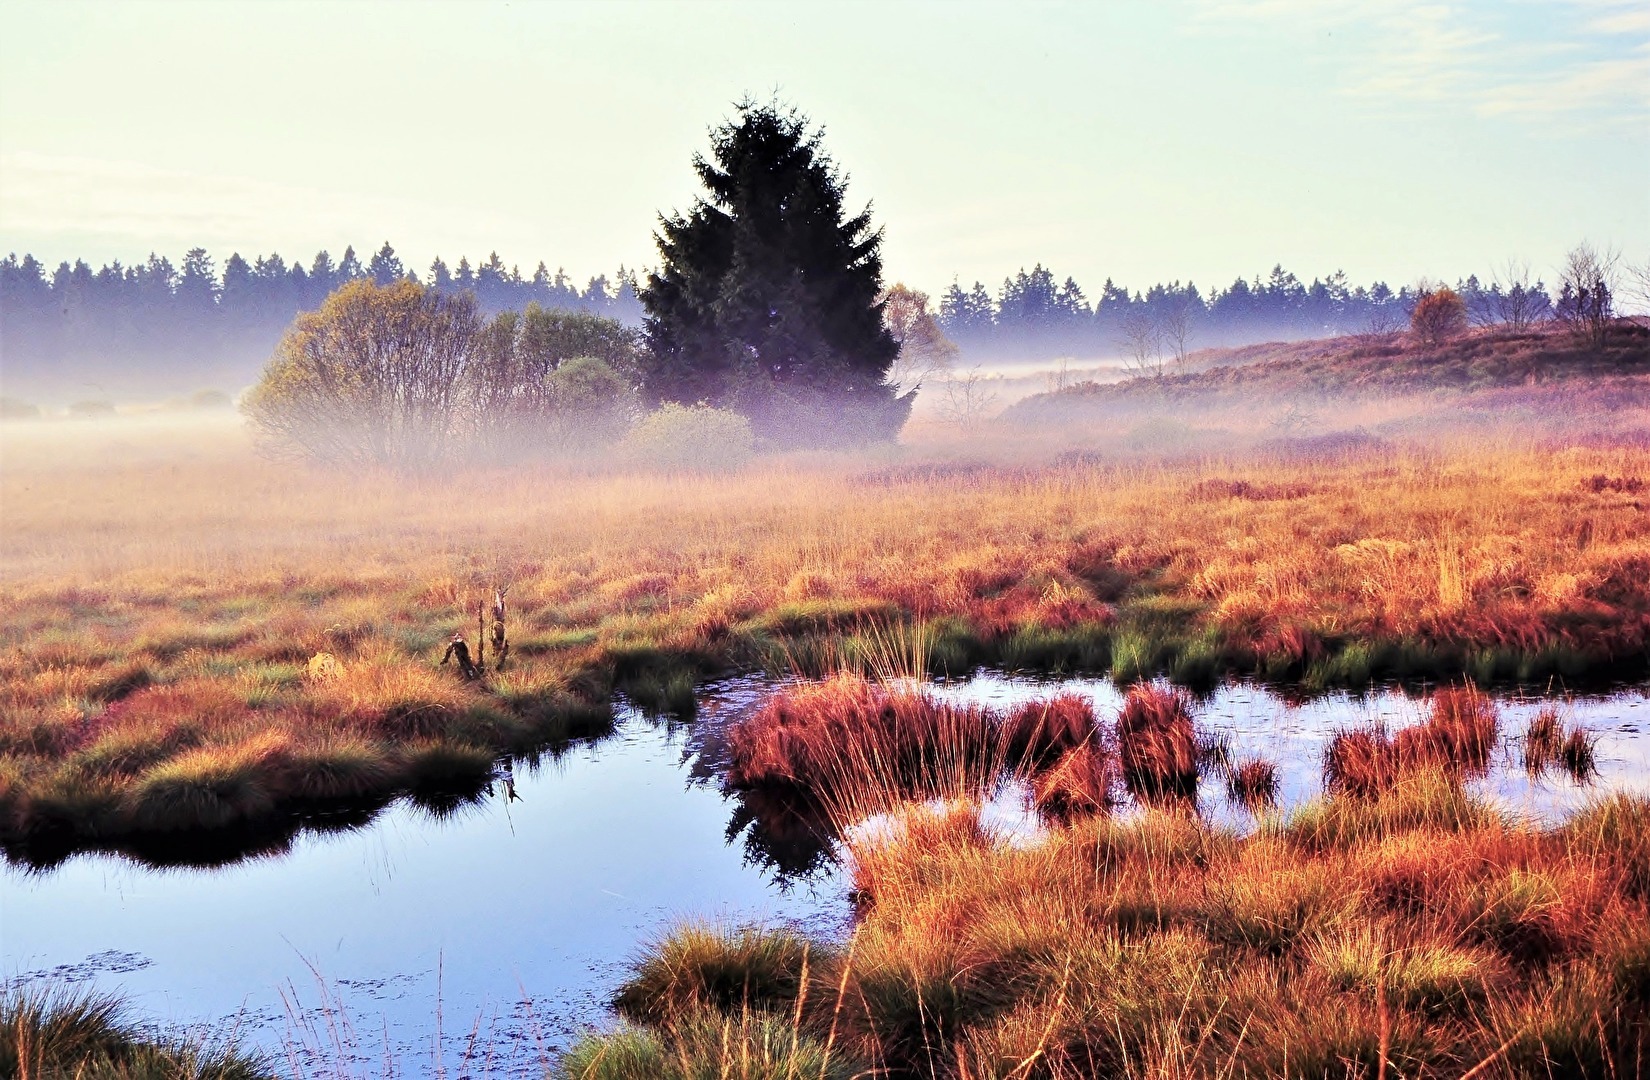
[(134, 595)]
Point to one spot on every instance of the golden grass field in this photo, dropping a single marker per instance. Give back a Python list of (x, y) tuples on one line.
[(165, 591)]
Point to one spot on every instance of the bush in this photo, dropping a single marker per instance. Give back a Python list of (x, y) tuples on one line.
[(592, 400), (1438, 316), (696, 438), (557, 380), (369, 379)]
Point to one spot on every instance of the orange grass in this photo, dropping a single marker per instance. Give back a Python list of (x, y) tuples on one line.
[(818, 742), (1161, 946), (1157, 743), (162, 591), (1457, 737)]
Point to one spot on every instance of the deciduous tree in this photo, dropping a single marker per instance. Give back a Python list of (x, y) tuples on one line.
[(923, 347), (1587, 291), (371, 378)]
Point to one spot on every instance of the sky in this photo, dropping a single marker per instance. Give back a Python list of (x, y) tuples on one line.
[(1143, 142)]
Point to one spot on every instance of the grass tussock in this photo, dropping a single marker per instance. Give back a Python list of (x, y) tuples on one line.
[(1157, 743), (51, 1032), (1456, 739), (1253, 783), (817, 742)]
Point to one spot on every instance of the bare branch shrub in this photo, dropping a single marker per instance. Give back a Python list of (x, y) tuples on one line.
[(1174, 326), (1587, 288), (1142, 344), (1512, 300), (970, 399)]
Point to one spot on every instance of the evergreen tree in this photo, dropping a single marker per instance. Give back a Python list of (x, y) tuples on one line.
[(237, 284), (323, 276), (349, 267), (385, 267), (766, 300), (198, 284)]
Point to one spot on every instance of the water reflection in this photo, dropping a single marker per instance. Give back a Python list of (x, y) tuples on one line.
[(528, 907)]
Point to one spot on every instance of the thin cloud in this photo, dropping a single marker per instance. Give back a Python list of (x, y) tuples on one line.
[(1584, 60), (90, 197)]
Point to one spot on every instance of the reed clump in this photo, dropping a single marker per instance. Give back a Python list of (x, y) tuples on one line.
[(1253, 783), (1456, 739), (817, 742)]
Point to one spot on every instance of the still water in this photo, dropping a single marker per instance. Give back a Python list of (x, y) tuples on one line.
[(507, 924)]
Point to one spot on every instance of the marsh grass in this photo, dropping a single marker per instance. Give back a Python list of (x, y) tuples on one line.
[(1031, 559), (1157, 743), (1420, 937), (1455, 740), (1253, 783), (816, 742), (55, 1032)]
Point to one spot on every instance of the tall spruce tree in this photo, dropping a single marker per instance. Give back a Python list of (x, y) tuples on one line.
[(766, 299)]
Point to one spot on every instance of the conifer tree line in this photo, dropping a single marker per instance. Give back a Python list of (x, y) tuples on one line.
[(190, 325), (1034, 313), (119, 324)]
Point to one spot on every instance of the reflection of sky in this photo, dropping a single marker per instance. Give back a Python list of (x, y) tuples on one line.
[(547, 898), (1258, 723)]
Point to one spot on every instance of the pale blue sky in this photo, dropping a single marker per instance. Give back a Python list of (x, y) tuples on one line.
[(1140, 141)]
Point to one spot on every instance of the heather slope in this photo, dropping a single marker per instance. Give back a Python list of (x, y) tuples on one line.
[(1352, 369)]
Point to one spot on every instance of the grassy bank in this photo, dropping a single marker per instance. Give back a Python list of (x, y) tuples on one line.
[(164, 602), (1524, 367), (1418, 934), (1393, 926)]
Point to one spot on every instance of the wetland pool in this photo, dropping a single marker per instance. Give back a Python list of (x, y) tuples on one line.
[(507, 924)]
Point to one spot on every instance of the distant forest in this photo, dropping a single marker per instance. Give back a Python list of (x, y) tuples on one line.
[(1034, 315), (159, 328)]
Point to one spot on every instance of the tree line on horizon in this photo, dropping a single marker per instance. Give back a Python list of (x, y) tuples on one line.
[(119, 324), (193, 319), (1034, 313)]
